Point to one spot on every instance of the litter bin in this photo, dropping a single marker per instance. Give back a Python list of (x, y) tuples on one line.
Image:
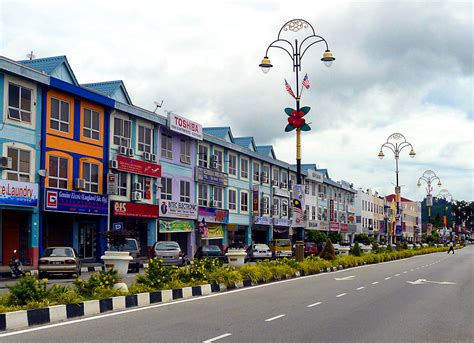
[(299, 251)]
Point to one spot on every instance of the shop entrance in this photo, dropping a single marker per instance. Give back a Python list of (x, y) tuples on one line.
[(14, 236), (87, 233), (259, 234)]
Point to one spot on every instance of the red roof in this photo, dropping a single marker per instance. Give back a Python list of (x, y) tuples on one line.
[(391, 197)]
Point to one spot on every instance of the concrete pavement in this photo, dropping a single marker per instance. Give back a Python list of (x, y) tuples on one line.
[(373, 303)]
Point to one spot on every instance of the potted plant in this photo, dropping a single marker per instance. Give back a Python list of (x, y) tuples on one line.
[(116, 258)]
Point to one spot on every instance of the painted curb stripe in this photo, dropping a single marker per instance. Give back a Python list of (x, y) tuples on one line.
[(38, 316)]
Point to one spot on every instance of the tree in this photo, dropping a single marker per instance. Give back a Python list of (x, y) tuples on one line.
[(328, 251), (435, 236), (335, 237), (316, 236), (362, 238), (356, 251)]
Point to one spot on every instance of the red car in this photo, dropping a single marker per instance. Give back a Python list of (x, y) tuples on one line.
[(310, 249)]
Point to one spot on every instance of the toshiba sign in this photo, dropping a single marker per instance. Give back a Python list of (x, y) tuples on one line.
[(184, 126)]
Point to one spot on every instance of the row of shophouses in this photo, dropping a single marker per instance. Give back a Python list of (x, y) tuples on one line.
[(80, 159)]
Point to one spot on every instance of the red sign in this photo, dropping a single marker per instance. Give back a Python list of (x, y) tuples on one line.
[(131, 209), (132, 165), (333, 226), (331, 210), (344, 227)]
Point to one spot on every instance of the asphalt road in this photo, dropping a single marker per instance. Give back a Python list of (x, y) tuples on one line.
[(374, 303)]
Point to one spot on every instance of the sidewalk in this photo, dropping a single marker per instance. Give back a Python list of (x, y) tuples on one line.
[(5, 272)]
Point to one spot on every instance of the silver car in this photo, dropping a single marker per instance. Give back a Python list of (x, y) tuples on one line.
[(59, 260), (169, 253)]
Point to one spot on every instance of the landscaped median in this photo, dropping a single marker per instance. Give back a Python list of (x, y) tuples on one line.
[(30, 302)]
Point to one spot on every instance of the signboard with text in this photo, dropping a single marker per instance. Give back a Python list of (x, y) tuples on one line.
[(255, 199), (131, 209), (214, 231), (61, 200), (14, 193), (257, 220), (177, 209), (213, 215), (131, 165), (211, 176), (333, 226), (331, 210), (344, 227), (112, 184), (281, 222), (184, 126), (173, 226)]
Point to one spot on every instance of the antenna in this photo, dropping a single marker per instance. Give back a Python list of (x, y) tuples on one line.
[(169, 112), (30, 55), (158, 105)]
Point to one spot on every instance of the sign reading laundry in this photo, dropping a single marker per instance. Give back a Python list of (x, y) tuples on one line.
[(16, 193), (60, 200), (132, 165), (176, 226)]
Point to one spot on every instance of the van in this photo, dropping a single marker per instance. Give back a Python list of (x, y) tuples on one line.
[(280, 248)]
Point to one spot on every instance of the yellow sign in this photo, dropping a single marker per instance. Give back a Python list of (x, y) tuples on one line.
[(214, 231)]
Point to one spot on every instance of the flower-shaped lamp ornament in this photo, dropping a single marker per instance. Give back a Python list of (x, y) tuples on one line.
[(296, 120)]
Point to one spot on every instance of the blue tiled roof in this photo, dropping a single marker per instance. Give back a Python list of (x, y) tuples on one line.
[(244, 141), (219, 132), (49, 65), (266, 150), (308, 166), (108, 88)]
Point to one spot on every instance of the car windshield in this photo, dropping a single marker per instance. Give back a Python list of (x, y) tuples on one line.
[(260, 247), (211, 248), (283, 243), (167, 246), (57, 252), (309, 245), (131, 245)]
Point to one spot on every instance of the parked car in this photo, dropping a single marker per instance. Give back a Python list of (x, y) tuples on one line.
[(59, 260), (169, 252), (132, 247), (212, 251), (258, 251), (280, 248), (236, 245), (310, 249)]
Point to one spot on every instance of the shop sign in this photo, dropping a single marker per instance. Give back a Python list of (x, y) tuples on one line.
[(174, 226), (351, 209), (213, 215), (184, 126), (231, 227), (331, 210), (398, 230), (60, 200), (344, 227), (382, 227), (281, 222), (214, 231), (112, 184), (334, 226), (211, 177), (255, 199), (131, 165), (257, 220), (312, 225), (280, 192), (324, 226), (131, 209), (177, 209), (298, 206), (14, 193)]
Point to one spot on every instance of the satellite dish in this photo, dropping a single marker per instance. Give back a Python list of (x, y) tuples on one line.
[(158, 105), (30, 55)]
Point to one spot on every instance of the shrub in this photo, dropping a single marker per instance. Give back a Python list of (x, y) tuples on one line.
[(256, 273), (362, 238), (156, 275), (62, 294), (356, 251), (405, 245), (139, 288), (335, 237), (27, 289), (97, 283), (228, 276), (389, 248), (317, 236), (328, 251)]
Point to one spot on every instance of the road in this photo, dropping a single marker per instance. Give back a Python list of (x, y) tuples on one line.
[(422, 299)]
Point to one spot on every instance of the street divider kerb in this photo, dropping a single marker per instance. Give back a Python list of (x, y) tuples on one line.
[(27, 318)]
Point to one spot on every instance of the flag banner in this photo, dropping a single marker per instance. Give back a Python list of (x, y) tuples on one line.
[(306, 83), (289, 90)]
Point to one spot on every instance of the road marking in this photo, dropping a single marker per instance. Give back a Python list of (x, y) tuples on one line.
[(424, 281), (405, 272), (422, 266), (361, 287), (411, 270), (340, 295), (397, 274), (375, 282), (276, 317), (388, 278), (216, 338), (347, 278), (315, 304)]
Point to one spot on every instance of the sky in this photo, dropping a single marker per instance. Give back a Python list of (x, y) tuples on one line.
[(401, 67)]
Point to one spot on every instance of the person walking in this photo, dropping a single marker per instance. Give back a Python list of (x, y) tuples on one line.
[(451, 247)]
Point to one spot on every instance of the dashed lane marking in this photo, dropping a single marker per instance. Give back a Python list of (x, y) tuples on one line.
[(276, 317), (397, 274), (315, 304), (405, 272), (340, 295), (361, 287), (375, 282), (388, 278), (217, 338)]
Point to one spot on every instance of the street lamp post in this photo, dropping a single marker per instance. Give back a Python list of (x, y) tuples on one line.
[(444, 194), (428, 177), (396, 142)]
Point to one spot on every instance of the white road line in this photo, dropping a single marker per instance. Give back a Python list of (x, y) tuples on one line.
[(405, 272), (276, 317), (412, 270), (388, 278), (340, 295), (361, 287), (315, 304), (422, 266), (216, 338), (375, 282), (397, 274)]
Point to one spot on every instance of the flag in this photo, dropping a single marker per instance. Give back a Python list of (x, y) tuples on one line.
[(289, 90), (306, 82)]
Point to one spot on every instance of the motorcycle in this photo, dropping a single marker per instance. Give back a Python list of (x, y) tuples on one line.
[(15, 266)]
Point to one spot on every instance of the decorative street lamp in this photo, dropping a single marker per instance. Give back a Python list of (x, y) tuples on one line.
[(428, 177), (396, 142), (444, 194)]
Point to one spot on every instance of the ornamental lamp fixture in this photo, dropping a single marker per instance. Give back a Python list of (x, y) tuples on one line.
[(265, 65), (328, 58), (419, 184), (412, 153), (439, 183), (381, 154)]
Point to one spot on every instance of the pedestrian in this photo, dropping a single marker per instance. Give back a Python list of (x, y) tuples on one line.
[(451, 247)]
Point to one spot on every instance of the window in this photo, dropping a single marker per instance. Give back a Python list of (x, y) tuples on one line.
[(313, 188), (275, 176), (256, 171), (91, 127), (217, 159), (184, 191), (306, 212), (19, 103), (59, 119), (217, 197), (20, 165), (202, 194), (244, 168), (166, 146), (266, 173), (284, 208), (166, 188), (146, 186), (244, 201), (293, 179), (145, 139), (90, 173), (122, 131), (185, 154), (276, 207), (319, 212), (325, 214), (266, 205), (335, 216), (284, 179), (313, 212), (58, 172), (233, 165), (232, 200), (203, 156), (122, 184)]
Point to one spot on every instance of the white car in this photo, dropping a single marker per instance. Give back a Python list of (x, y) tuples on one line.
[(258, 251)]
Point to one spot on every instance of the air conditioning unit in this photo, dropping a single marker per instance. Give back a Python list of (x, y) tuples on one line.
[(214, 165), (147, 156), (123, 150), (113, 164), (153, 158), (137, 187), (275, 182), (80, 184), (137, 196), (214, 203), (283, 185), (215, 158), (130, 152), (265, 177), (6, 162)]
